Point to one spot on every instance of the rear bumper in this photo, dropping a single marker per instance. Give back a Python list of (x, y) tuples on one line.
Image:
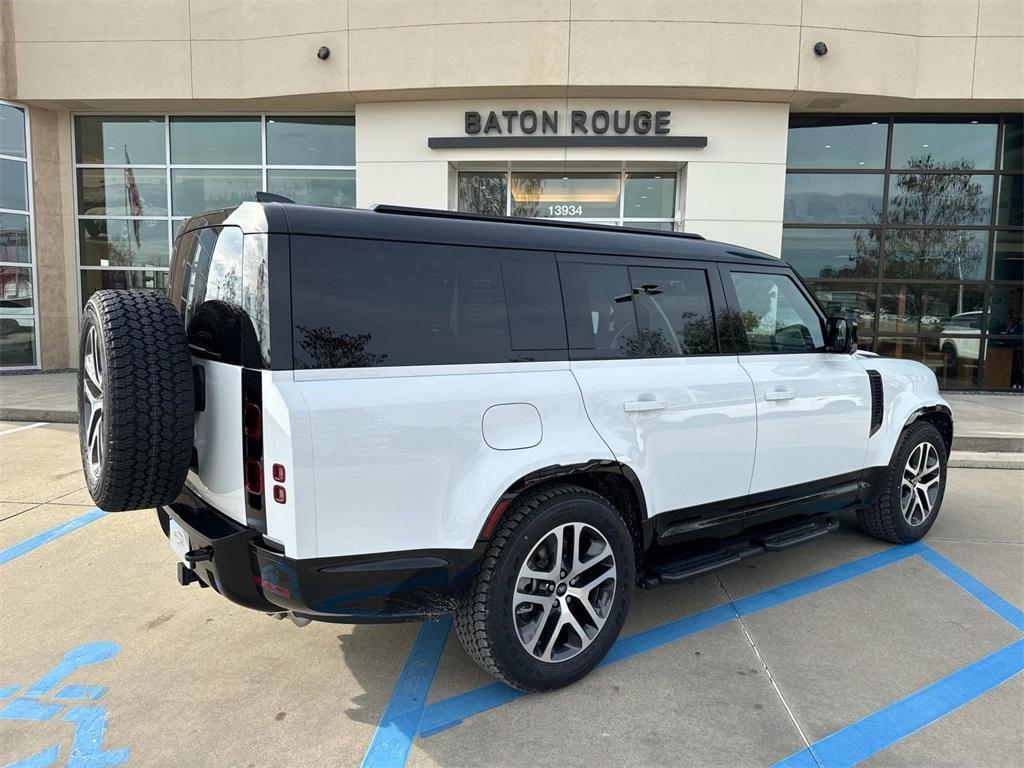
[(387, 587)]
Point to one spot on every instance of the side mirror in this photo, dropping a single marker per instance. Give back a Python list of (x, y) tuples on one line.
[(841, 334)]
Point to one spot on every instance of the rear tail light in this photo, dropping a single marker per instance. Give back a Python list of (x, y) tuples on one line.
[(280, 495), (252, 421), (278, 470), (254, 476)]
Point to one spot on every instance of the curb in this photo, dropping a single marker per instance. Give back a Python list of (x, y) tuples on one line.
[(51, 415), (988, 443), (986, 460)]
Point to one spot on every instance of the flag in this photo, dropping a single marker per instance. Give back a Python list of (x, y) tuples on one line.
[(131, 192)]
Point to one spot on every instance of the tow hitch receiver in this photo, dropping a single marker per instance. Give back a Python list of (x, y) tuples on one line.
[(186, 575)]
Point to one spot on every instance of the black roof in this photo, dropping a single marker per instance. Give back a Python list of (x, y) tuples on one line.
[(389, 222)]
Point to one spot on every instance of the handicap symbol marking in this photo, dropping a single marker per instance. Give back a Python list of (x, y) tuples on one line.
[(90, 721)]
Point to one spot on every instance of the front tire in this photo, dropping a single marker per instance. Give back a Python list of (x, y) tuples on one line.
[(914, 486), (553, 589)]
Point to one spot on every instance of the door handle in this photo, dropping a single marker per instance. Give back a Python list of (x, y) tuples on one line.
[(642, 406), (780, 394)]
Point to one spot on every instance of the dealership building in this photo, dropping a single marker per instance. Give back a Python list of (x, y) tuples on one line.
[(874, 144)]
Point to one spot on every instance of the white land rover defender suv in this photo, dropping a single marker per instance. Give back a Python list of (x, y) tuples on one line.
[(392, 414)]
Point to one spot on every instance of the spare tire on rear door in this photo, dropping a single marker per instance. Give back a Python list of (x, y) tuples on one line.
[(135, 400)]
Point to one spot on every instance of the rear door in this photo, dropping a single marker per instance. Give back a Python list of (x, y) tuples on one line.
[(644, 349), (813, 406)]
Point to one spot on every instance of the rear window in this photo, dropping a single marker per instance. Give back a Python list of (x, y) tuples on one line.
[(363, 304), (219, 285)]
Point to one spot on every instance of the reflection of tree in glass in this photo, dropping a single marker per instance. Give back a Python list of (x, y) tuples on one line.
[(699, 336), (733, 327), (483, 193), (526, 195), (949, 197), (648, 343), (329, 350)]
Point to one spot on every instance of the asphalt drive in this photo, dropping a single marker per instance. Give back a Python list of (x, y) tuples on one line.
[(867, 653)]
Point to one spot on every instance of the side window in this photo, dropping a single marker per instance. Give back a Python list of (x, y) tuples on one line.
[(673, 309), (364, 304), (774, 315), (599, 314), (534, 305)]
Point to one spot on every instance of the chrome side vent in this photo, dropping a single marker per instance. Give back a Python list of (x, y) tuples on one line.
[(877, 400)]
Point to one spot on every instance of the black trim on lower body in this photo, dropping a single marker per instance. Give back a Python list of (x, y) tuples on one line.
[(388, 587), (744, 514)]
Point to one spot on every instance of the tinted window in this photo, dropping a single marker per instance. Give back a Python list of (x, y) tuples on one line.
[(599, 312), (534, 304), (673, 310), (944, 146), (616, 312), (842, 143), (775, 314), (211, 296), (362, 304), (833, 198)]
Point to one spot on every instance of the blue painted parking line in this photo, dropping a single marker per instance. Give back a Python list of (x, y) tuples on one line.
[(882, 729), (975, 588), (401, 718), (450, 712), (17, 550)]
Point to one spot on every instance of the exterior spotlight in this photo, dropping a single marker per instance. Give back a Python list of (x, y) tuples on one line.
[(325, 53), (820, 49)]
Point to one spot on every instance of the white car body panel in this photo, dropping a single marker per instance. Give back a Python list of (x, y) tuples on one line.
[(218, 441), (400, 460), (813, 417), (908, 387), (685, 426)]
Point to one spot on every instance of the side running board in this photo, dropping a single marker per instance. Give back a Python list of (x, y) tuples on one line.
[(688, 568)]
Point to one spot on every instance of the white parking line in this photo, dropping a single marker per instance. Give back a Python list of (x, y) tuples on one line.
[(27, 426)]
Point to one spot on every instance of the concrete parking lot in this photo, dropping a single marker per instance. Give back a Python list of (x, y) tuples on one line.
[(863, 652)]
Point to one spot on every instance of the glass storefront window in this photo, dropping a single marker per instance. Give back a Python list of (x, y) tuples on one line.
[(122, 192), (831, 253), (120, 140), (194, 190), (857, 299), (14, 238), (645, 200), (944, 146), (123, 243), (336, 189), (16, 290), (923, 308), (1008, 256), (936, 254), (840, 143), (13, 184), (17, 256), (215, 141), (1004, 362), (483, 192), (833, 198), (121, 279), (1013, 145), (12, 131), (1006, 307), (953, 199), (311, 141), (557, 196), (128, 210), (649, 196), (1010, 210)]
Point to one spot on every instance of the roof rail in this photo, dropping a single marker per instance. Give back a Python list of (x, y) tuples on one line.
[(442, 214)]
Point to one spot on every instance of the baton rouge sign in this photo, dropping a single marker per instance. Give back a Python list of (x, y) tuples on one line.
[(578, 128)]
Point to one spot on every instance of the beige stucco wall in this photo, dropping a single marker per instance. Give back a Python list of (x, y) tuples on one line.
[(102, 52)]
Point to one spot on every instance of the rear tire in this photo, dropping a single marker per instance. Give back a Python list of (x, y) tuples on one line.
[(135, 400), (914, 486), (536, 634)]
